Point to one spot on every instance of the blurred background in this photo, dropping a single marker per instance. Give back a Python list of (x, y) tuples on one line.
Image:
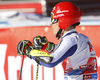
[(25, 19), (89, 7)]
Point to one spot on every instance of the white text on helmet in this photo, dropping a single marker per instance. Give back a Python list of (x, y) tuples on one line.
[(59, 15), (62, 11)]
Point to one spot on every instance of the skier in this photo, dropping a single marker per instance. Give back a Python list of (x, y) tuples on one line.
[(74, 51)]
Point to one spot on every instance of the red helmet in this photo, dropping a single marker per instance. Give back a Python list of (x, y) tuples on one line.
[(67, 13)]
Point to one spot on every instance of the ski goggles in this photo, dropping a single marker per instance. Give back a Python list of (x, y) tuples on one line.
[(52, 19)]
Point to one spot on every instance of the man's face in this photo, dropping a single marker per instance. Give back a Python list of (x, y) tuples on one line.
[(55, 27)]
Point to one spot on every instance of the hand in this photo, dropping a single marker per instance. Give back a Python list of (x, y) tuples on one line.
[(40, 42), (24, 47)]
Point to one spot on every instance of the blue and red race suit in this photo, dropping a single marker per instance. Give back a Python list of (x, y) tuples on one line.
[(77, 55)]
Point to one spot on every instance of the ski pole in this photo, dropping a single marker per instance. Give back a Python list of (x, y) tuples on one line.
[(37, 71), (21, 68)]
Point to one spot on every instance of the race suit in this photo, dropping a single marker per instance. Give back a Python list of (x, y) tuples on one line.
[(77, 55)]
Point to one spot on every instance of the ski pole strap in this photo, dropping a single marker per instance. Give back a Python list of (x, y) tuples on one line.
[(37, 53)]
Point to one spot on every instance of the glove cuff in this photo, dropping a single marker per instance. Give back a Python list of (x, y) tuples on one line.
[(28, 50), (45, 46), (50, 47)]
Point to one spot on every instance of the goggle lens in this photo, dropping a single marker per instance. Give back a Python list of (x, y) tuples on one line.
[(52, 19), (52, 16)]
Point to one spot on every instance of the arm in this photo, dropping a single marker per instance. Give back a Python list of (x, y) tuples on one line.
[(41, 56), (67, 47)]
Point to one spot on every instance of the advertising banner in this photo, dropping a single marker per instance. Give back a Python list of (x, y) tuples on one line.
[(10, 61)]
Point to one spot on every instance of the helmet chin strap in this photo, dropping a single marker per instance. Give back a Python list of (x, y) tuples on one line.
[(58, 35)]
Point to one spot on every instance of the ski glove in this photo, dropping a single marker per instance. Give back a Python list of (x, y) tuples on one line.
[(24, 47), (42, 43)]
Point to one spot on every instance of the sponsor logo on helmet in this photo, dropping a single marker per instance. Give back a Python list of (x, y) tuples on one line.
[(59, 15), (62, 11)]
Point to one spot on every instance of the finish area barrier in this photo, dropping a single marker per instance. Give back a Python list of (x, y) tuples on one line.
[(10, 61)]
